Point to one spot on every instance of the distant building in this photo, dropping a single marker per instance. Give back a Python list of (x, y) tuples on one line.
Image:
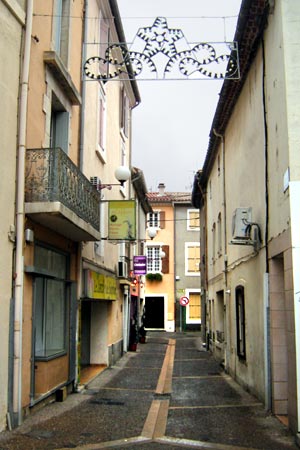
[(173, 257)]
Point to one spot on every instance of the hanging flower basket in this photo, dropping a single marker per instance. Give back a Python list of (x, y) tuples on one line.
[(154, 276)]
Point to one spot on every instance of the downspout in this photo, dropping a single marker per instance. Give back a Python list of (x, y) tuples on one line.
[(20, 219), (267, 350), (227, 291), (83, 86), (81, 152), (174, 266)]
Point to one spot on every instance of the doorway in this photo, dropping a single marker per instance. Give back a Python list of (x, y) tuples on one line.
[(155, 312)]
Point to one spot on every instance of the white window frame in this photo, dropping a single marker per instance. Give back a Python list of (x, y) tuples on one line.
[(189, 219), (157, 266), (186, 254), (187, 317), (101, 128), (153, 222)]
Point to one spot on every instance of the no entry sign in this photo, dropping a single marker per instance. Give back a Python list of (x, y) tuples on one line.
[(184, 301)]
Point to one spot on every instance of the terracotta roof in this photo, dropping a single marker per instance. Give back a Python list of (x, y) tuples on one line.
[(169, 197)]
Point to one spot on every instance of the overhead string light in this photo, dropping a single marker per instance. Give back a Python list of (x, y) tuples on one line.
[(159, 52)]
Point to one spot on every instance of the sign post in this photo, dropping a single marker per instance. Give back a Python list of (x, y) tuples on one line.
[(184, 301)]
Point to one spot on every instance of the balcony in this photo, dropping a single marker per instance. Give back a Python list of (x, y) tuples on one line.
[(59, 196)]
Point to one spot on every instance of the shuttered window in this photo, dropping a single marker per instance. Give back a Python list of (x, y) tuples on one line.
[(192, 261)]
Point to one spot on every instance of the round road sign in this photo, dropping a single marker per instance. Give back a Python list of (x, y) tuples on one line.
[(184, 301)]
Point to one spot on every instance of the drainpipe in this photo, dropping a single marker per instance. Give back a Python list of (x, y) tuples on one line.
[(267, 336), (83, 85), (20, 218), (79, 271)]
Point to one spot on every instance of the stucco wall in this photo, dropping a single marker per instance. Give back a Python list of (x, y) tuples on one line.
[(244, 171), (10, 47)]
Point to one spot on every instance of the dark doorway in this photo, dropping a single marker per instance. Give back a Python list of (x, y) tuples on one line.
[(154, 312), (85, 332)]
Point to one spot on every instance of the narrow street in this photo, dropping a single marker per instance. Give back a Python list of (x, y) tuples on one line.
[(169, 394)]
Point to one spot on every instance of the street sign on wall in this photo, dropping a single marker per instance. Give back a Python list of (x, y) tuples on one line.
[(184, 301)]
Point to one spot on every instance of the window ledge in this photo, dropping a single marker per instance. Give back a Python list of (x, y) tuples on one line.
[(55, 64)]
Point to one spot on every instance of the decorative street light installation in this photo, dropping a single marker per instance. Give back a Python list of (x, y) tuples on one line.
[(179, 59)]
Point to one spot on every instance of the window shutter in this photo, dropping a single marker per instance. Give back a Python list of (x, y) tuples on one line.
[(165, 260), (104, 43), (162, 219)]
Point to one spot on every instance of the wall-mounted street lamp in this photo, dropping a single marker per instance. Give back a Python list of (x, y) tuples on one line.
[(122, 174), (152, 232)]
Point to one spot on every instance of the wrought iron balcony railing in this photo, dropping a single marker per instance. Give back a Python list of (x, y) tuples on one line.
[(51, 176)]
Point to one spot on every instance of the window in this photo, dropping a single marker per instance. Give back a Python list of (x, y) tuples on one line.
[(59, 126), (104, 42), (193, 222), (61, 27), (214, 242), (124, 113), (156, 219), (153, 219), (219, 226), (192, 258), (101, 122), (193, 309), (240, 322), (154, 260), (50, 303)]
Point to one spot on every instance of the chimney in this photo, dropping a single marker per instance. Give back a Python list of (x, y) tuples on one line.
[(161, 189)]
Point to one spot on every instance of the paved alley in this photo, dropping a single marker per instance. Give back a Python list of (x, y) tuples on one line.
[(170, 394)]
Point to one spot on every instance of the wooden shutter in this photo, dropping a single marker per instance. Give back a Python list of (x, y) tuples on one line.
[(104, 43), (162, 219), (165, 261)]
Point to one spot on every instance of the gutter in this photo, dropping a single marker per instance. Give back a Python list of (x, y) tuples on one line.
[(20, 219), (119, 27)]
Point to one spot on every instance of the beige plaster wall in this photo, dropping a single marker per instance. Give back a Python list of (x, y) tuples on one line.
[(244, 184), (10, 45)]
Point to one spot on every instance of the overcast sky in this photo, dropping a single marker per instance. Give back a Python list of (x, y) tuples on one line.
[(171, 125)]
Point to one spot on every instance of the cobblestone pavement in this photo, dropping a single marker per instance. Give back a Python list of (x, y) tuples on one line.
[(170, 394)]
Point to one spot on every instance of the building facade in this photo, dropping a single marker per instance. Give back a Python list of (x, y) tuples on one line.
[(63, 309), (247, 194), (173, 256), (187, 263), (12, 23)]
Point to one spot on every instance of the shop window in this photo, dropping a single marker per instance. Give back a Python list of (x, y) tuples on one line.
[(50, 303), (240, 322)]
